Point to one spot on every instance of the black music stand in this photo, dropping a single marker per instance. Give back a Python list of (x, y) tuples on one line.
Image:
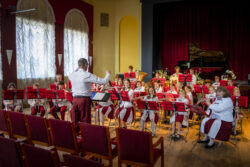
[(99, 97), (174, 106), (198, 110)]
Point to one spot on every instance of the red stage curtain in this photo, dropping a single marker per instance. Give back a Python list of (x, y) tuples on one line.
[(220, 27)]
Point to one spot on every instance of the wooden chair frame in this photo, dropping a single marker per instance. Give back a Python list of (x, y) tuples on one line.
[(110, 157), (152, 161), (74, 151), (36, 141), (52, 150)]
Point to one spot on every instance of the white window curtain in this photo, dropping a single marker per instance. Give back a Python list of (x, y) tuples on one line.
[(75, 40), (35, 42)]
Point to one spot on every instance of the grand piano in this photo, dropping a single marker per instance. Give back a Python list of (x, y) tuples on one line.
[(210, 62)]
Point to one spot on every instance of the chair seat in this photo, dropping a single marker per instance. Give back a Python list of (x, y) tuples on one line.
[(157, 153)]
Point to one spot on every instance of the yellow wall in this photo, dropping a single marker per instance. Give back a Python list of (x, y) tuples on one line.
[(128, 43), (106, 39)]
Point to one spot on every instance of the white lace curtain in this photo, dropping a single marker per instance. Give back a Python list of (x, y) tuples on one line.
[(35, 42), (75, 40)]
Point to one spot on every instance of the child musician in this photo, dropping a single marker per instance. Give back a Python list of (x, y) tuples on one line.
[(12, 105), (189, 94), (58, 80), (212, 93), (157, 86), (219, 124), (157, 76), (172, 89), (126, 111), (120, 84), (230, 82), (179, 116), (216, 84), (139, 87), (174, 77), (59, 104), (106, 109), (37, 104), (150, 113), (194, 79)]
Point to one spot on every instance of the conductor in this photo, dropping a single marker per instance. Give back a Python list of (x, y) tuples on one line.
[(81, 81)]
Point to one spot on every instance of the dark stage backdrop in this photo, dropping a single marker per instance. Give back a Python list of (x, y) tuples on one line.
[(222, 27)]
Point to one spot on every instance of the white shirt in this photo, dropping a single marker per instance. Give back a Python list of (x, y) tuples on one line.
[(172, 92), (81, 82), (211, 96), (194, 79), (158, 90), (222, 109), (141, 89), (216, 85), (190, 96)]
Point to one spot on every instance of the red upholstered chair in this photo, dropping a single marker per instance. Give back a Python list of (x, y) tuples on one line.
[(96, 142), (17, 124), (4, 126), (37, 130), (9, 153), (39, 157), (63, 136), (136, 148), (76, 161)]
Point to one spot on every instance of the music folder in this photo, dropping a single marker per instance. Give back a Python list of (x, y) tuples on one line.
[(100, 96)]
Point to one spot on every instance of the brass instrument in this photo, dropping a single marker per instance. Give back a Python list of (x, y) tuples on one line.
[(142, 75)]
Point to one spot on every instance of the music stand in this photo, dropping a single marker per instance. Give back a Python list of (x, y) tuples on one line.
[(223, 83), (199, 111), (241, 101), (160, 95), (175, 107), (52, 86), (163, 81), (69, 85), (230, 89), (99, 97), (69, 96)]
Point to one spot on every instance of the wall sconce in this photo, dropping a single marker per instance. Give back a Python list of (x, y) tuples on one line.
[(60, 59), (9, 53)]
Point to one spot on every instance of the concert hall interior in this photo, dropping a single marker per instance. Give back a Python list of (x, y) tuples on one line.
[(124, 82)]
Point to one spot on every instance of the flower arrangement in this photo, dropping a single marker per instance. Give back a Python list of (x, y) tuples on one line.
[(162, 74), (231, 73)]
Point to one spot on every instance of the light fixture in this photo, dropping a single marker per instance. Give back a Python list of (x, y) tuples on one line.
[(24, 11), (60, 59), (9, 53)]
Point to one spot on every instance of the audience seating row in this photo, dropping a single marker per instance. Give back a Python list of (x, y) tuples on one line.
[(132, 147)]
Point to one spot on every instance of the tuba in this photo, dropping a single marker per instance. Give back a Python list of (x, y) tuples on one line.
[(142, 75)]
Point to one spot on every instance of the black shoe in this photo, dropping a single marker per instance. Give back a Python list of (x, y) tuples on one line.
[(203, 141), (208, 146)]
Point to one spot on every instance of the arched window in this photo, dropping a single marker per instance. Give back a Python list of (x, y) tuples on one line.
[(35, 40), (75, 40)]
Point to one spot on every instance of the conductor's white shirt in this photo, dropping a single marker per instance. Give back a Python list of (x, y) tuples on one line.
[(81, 82)]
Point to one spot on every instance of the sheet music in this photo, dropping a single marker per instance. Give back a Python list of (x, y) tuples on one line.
[(98, 96)]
